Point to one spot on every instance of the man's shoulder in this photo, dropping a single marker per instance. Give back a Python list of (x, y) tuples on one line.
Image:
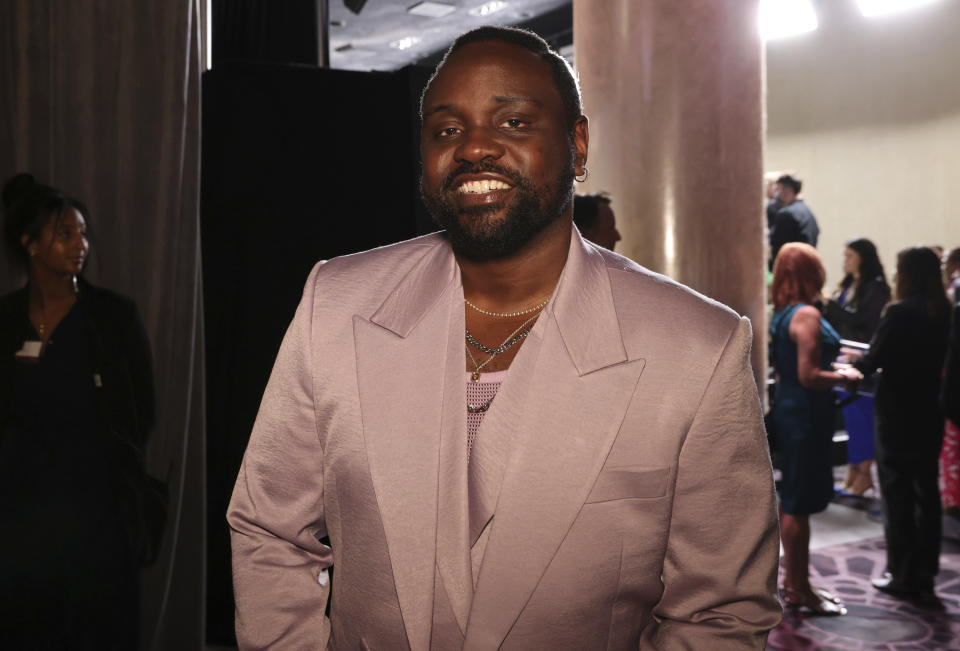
[(374, 272), (799, 210), (389, 261), (646, 298)]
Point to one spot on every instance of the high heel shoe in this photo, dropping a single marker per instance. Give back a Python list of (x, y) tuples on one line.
[(816, 602), (862, 482)]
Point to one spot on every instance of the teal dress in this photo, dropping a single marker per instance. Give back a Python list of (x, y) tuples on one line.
[(804, 420)]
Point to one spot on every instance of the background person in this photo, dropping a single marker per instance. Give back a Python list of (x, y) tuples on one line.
[(76, 407), (804, 346), (794, 221), (856, 305), (951, 274), (594, 218), (910, 346), (854, 311)]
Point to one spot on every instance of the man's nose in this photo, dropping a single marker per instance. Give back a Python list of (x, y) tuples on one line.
[(479, 143)]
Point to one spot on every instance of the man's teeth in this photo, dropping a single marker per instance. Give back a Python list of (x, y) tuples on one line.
[(481, 187)]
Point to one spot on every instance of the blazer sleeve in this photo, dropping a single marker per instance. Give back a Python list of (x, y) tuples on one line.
[(876, 295), (882, 342), (276, 514), (720, 567)]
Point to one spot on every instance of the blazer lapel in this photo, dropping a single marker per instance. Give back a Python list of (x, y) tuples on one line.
[(400, 373), (453, 547), (579, 383)]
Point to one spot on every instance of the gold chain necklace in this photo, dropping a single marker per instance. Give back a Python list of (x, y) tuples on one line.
[(506, 315)]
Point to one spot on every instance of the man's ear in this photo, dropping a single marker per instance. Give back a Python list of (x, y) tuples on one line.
[(581, 141), (25, 242)]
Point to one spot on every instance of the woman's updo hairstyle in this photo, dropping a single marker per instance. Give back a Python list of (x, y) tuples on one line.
[(27, 207)]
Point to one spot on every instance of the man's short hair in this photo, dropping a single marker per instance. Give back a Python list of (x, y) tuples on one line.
[(563, 75), (792, 181), (586, 209)]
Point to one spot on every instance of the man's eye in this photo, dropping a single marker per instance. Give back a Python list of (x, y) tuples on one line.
[(448, 132), (514, 123)]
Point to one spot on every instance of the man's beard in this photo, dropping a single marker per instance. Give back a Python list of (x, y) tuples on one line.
[(479, 236)]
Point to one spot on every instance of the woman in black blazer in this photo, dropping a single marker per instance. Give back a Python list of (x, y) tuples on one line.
[(76, 408), (854, 310), (910, 346)]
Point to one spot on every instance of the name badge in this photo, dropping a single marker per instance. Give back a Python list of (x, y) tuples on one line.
[(30, 351)]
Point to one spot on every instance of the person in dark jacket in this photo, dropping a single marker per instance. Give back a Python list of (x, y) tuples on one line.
[(854, 310), (857, 303), (76, 408), (794, 221), (910, 346)]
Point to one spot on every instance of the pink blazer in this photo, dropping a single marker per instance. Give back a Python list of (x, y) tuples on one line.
[(633, 506)]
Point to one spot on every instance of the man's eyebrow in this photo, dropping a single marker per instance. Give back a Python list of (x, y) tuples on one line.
[(518, 99), (436, 109), (504, 99)]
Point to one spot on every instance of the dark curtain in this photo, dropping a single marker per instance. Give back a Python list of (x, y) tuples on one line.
[(264, 31), (102, 99), (299, 164)]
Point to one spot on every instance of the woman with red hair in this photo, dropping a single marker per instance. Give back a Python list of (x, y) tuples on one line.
[(804, 346)]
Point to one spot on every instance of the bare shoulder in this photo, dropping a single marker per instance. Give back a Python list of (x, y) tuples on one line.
[(805, 322)]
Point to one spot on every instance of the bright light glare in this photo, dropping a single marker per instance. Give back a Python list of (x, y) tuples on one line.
[(405, 43), (871, 8), (781, 18), (488, 8)]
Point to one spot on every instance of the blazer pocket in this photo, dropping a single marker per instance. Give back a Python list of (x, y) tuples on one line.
[(629, 482)]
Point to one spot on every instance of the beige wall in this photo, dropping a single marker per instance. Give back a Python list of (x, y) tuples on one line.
[(867, 112)]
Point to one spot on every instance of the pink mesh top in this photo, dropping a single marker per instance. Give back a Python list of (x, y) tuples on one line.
[(480, 393)]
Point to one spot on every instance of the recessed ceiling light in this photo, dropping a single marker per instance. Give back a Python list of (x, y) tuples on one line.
[(782, 18), (405, 43), (431, 9), (870, 8), (488, 8)]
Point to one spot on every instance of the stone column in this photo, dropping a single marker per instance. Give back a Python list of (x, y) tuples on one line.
[(675, 96)]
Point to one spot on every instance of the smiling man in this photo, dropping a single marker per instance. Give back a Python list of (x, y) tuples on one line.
[(513, 438)]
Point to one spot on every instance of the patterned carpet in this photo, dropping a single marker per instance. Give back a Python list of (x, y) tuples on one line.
[(875, 620)]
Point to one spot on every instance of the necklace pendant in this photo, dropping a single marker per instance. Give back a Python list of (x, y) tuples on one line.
[(475, 376)]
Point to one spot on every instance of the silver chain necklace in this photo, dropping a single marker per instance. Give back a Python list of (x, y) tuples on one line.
[(511, 339), (502, 348)]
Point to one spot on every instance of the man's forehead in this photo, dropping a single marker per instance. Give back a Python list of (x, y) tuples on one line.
[(508, 65)]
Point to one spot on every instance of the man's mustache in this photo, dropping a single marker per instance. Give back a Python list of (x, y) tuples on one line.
[(478, 168)]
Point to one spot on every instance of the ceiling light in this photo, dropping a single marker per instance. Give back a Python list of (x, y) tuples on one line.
[(405, 43), (488, 8), (431, 9), (871, 8), (782, 18)]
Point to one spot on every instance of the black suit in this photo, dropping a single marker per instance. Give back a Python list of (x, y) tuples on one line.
[(793, 223), (910, 346)]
